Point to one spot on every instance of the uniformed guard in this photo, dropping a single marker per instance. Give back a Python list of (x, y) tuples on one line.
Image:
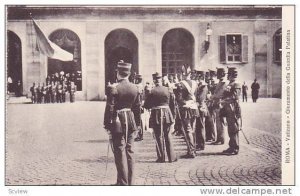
[(47, 88), (33, 94), (210, 122), (138, 81), (72, 90), (218, 111), (188, 111), (160, 102), (59, 90), (39, 93), (43, 94), (232, 111), (120, 117), (53, 92), (64, 90), (210, 117), (201, 95)]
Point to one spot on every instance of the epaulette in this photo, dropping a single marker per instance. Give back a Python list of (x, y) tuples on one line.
[(140, 88), (112, 88)]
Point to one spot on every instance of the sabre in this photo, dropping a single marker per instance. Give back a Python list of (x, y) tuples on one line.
[(107, 155), (162, 134), (157, 146), (182, 128), (241, 129)]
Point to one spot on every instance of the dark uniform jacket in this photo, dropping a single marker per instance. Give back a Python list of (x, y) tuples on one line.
[(122, 95), (160, 96), (231, 99)]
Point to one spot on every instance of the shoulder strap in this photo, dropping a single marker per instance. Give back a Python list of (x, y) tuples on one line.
[(187, 86)]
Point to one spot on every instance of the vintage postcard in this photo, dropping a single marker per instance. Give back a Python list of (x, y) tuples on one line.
[(198, 95)]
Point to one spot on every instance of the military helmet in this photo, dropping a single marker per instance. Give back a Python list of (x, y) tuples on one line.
[(232, 72), (124, 68), (156, 76), (220, 73), (212, 74), (200, 74)]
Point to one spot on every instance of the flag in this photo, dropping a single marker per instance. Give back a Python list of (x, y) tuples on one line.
[(49, 48)]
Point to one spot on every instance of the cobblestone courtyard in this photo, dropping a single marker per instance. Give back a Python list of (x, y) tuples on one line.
[(65, 144)]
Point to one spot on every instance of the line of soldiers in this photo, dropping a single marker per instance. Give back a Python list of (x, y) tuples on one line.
[(58, 89), (195, 105)]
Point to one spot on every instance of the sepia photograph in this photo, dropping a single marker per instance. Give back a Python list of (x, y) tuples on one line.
[(149, 95)]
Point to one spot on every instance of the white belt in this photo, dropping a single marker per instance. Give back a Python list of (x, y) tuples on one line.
[(124, 110), (190, 104), (126, 119), (160, 107)]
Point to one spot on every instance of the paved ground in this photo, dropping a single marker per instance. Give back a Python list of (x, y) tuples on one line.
[(64, 144)]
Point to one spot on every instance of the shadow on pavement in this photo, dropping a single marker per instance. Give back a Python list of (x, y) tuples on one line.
[(93, 141), (101, 159)]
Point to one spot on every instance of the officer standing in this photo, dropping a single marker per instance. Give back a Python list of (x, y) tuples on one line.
[(138, 81), (72, 90), (218, 111), (120, 121), (39, 93), (188, 111), (59, 91), (159, 101), (33, 94), (201, 94), (53, 92), (210, 120), (233, 111)]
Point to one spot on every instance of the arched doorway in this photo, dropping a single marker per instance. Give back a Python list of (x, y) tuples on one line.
[(69, 41), (14, 61), (177, 49), (277, 46), (120, 44)]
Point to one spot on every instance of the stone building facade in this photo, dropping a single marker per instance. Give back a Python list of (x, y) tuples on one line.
[(152, 38)]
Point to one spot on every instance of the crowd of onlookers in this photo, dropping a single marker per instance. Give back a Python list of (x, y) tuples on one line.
[(59, 88)]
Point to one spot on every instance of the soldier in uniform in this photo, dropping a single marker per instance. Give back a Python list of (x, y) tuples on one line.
[(138, 81), (53, 92), (201, 94), (59, 89), (33, 95), (210, 122), (161, 118), (188, 111), (232, 111), (72, 90), (47, 89), (43, 94), (218, 111), (64, 90), (39, 93), (210, 117), (120, 117)]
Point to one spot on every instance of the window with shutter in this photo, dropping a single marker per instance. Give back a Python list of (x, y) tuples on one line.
[(222, 49), (233, 48), (245, 49)]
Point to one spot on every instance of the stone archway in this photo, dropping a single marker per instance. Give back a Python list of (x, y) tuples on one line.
[(177, 49), (120, 44), (69, 41), (14, 62)]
